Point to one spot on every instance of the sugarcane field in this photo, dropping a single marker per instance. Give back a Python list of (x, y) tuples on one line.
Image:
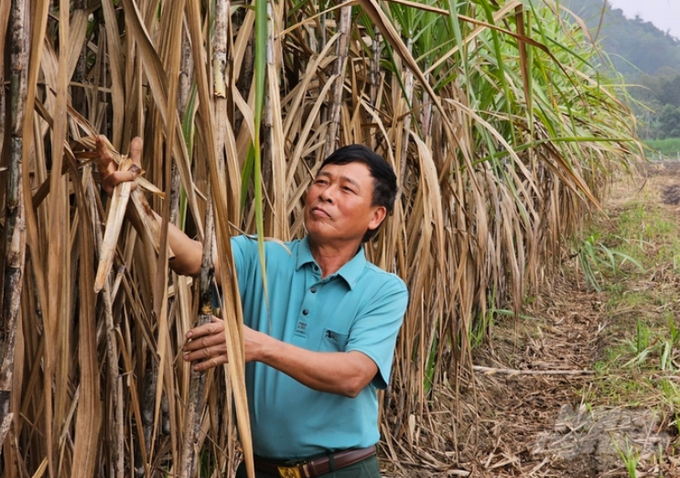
[(344, 239)]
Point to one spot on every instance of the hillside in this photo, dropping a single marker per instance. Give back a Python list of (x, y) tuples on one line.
[(633, 45)]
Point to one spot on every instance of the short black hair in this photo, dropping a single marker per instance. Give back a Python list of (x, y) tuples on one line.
[(384, 178)]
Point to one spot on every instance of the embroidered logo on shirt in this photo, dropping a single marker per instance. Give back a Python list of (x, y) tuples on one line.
[(301, 329)]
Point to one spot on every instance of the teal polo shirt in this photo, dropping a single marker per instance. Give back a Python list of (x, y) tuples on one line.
[(360, 308)]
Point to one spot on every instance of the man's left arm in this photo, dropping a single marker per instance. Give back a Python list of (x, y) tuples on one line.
[(343, 373)]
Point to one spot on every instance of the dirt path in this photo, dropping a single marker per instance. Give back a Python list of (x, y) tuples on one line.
[(571, 413), (587, 425)]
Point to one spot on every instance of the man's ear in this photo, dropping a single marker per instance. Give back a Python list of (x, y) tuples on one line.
[(379, 214)]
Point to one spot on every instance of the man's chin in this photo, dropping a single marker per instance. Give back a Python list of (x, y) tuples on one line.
[(318, 235)]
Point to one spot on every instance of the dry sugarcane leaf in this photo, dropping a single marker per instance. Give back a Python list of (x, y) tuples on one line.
[(114, 223), (58, 262), (157, 77), (78, 27), (114, 55), (4, 21), (89, 416)]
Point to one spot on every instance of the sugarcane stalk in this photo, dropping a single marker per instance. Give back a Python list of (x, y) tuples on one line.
[(79, 99), (426, 112), (223, 82), (266, 146), (190, 447), (142, 216), (341, 50), (116, 383), (375, 68), (406, 130), (220, 42), (183, 94), (15, 229), (222, 72)]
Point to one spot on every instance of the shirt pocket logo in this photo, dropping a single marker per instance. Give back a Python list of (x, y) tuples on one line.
[(301, 329), (333, 341)]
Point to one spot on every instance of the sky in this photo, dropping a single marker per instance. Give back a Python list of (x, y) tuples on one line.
[(664, 14)]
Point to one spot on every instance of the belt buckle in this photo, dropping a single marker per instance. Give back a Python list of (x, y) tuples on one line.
[(289, 472)]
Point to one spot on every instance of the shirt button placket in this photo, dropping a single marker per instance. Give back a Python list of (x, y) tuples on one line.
[(310, 300)]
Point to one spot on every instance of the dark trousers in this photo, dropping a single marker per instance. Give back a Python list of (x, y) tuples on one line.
[(368, 468)]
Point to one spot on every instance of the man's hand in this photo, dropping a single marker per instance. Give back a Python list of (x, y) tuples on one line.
[(110, 175), (185, 253), (206, 345)]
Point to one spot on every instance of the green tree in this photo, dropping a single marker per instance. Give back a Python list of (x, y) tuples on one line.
[(669, 93), (669, 122)]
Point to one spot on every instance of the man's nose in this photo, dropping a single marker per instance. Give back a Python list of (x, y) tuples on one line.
[(327, 194)]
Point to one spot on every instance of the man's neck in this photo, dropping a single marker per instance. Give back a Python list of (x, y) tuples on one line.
[(331, 257)]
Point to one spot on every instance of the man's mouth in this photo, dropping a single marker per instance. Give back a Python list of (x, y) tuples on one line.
[(318, 211)]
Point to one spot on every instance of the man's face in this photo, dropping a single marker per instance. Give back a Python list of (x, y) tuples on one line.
[(338, 205)]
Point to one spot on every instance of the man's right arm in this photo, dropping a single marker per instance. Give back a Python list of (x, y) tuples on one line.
[(186, 251)]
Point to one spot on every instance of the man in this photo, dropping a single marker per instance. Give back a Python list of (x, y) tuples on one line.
[(321, 343)]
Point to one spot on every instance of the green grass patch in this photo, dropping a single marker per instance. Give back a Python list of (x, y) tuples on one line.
[(669, 147), (636, 259), (642, 237)]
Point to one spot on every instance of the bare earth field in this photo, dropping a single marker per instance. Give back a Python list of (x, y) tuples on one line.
[(585, 383)]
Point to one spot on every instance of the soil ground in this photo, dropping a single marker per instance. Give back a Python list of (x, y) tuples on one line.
[(565, 391)]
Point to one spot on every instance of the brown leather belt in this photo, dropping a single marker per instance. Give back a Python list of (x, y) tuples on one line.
[(316, 466)]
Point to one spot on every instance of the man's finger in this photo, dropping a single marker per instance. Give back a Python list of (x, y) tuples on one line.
[(136, 148), (204, 353), (205, 342), (215, 327), (118, 177), (105, 162), (208, 364)]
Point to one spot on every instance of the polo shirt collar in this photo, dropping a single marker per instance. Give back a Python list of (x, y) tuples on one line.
[(350, 272)]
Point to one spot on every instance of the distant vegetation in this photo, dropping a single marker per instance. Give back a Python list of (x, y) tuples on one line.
[(634, 46), (648, 60)]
